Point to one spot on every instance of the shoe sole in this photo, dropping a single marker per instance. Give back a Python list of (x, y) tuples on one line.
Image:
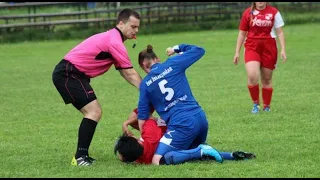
[(245, 156), (221, 158)]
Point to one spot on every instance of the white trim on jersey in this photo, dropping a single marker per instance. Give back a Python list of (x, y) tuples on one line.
[(166, 141), (278, 22)]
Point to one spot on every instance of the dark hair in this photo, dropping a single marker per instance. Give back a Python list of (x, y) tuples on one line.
[(129, 148), (125, 14), (146, 54)]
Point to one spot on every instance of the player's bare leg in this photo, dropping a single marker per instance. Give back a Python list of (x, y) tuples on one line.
[(156, 159), (253, 74), (92, 111)]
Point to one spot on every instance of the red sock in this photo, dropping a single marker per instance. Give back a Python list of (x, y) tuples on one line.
[(254, 93), (266, 96)]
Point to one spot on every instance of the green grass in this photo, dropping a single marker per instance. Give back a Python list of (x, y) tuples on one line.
[(38, 133)]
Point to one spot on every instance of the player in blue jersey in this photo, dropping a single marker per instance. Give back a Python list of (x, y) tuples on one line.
[(167, 89)]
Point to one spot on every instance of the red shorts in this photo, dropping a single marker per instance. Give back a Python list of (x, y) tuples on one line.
[(263, 50)]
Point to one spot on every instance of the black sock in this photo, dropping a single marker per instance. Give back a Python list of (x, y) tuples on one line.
[(162, 161), (85, 135)]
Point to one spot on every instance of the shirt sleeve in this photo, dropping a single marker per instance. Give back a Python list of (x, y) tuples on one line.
[(245, 21), (189, 55), (278, 21), (151, 110), (143, 104), (120, 55)]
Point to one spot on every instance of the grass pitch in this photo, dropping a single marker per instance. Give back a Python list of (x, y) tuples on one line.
[(38, 133)]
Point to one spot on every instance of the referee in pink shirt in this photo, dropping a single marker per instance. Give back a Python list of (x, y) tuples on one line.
[(91, 58)]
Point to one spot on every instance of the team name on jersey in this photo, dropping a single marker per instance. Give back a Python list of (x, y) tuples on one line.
[(161, 75), (173, 103), (262, 23)]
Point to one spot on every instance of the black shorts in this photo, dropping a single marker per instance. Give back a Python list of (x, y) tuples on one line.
[(73, 85)]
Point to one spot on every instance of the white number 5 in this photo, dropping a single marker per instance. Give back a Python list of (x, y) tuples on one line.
[(163, 89)]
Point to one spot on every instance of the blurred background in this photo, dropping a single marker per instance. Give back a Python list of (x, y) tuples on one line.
[(27, 21)]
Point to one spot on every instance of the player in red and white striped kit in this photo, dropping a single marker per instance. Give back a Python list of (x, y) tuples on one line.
[(259, 26)]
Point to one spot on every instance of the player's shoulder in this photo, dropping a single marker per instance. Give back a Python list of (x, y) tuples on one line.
[(146, 78), (114, 37), (171, 60), (151, 122), (273, 9), (104, 33), (247, 10), (149, 127), (102, 36), (144, 81)]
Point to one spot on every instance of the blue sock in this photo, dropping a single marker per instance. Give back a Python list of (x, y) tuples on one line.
[(227, 155), (178, 157)]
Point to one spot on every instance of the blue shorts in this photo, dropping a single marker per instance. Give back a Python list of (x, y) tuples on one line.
[(188, 134)]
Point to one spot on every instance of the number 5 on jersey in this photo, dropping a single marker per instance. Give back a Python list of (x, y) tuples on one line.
[(163, 89)]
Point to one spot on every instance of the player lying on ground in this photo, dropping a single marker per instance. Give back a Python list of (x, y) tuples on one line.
[(141, 150)]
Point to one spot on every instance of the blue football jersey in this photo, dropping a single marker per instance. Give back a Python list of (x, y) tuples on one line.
[(166, 86)]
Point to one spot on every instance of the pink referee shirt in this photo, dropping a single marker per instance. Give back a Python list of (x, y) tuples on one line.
[(96, 54)]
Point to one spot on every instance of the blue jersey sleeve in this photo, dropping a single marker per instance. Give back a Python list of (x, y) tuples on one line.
[(143, 104), (190, 54)]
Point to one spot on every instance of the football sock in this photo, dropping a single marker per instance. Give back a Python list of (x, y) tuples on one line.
[(227, 155), (254, 93), (179, 157), (266, 96), (85, 135)]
